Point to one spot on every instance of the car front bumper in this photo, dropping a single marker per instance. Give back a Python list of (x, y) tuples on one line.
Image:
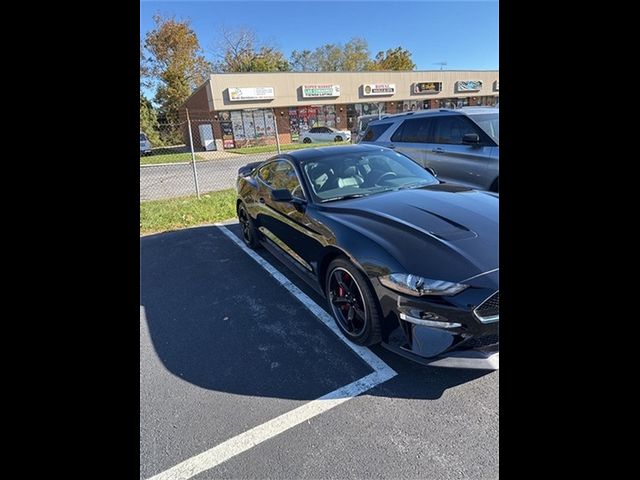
[(440, 331)]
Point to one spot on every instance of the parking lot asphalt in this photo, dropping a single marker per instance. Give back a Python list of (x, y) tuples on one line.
[(225, 348)]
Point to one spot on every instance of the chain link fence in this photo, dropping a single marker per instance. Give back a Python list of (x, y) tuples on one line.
[(198, 155)]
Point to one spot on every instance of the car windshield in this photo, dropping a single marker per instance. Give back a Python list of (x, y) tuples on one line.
[(337, 177), (490, 123)]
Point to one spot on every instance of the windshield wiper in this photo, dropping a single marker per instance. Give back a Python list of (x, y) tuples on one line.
[(346, 197)]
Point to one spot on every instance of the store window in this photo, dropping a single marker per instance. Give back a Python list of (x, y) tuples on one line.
[(242, 127), (453, 102), (356, 110), (312, 116), (412, 105)]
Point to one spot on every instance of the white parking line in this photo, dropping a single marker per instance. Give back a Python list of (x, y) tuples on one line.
[(244, 441)]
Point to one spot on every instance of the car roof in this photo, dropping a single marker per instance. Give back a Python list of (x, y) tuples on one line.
[(310, 154), (439, 111)]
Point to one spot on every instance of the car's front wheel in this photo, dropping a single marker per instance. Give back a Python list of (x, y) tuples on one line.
[(306, 140), (249, 234), (338, 138), (353, 303)]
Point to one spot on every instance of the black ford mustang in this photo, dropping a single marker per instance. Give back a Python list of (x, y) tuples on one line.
[(402, 258)]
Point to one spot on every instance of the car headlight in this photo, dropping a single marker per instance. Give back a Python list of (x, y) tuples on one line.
[(419, 286)]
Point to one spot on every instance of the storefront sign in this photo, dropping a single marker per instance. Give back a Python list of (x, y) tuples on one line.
[(427, 87), (250, 93), (469, 85), (327, 90), (369, 89)]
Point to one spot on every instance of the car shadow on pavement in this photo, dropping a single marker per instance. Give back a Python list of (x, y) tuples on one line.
[(213, 318)]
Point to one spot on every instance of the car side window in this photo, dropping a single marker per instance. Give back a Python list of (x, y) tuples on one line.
[(325, 130), (284, 176), (265, 173), (451, 128), (375, 131), (414, 130), (314, 130)]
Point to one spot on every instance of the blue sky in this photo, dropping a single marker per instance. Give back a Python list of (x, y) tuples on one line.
[(462, 33)]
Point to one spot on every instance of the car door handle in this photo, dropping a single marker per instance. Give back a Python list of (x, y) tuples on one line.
[(438, 150), (392, 146)]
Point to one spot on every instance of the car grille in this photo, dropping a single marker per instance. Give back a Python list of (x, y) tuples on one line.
[(482, 341), (489, 310)]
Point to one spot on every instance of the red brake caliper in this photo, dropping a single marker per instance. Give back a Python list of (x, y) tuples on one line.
[(342, 293)]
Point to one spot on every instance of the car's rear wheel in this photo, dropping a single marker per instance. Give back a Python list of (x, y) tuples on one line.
[(249, 234), (306, 140), (353, 304), (338, 138)]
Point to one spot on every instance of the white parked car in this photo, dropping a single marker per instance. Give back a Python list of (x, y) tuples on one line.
[(145, 144), (325, 134)]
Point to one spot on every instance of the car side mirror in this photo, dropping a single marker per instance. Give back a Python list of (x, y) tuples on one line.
[(431, 171), (281, 195), (471, 139)]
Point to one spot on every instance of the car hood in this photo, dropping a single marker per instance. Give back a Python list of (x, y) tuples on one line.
[(444, 231)]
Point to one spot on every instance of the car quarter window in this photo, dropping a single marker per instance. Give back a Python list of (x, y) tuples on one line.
[(315, 130), (284, 176), (265, 173), (414, 130), (451, 128)]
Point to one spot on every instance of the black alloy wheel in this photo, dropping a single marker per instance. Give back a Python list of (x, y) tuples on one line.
[(246, 225), (306, 140), (354, 307), (338, 138)]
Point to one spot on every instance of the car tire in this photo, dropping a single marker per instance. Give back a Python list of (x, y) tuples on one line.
[(354, 306), (248, 229), (306, 140), (338, 138)]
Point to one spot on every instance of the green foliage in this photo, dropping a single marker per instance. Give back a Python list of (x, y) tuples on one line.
[(149, 121), (355, 55), (393, 59), (351, 57), (176, 63)]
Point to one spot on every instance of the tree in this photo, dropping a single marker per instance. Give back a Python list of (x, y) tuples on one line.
[(176, 62), (351, 57), (149, 121), (328, 58), (238, 51), (396, 59), (355, 55), (302, 61)]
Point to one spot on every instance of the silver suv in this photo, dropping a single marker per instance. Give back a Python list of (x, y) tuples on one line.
[(460, 145)]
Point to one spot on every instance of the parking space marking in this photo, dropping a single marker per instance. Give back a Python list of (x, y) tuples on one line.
[(367, 355), (249, 439)]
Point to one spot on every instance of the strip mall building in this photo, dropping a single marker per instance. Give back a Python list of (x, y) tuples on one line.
[(242, 107)]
